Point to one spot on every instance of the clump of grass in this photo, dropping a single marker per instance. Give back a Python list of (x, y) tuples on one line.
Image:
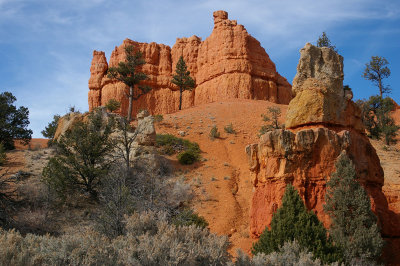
[(188, 152), (229, 129), (158, 118), (214, 133)]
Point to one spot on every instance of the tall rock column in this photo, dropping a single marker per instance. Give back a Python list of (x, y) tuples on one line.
[(322, 122), (98, 70)]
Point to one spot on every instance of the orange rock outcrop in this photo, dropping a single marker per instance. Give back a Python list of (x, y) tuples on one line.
[(322, 122), (230, 63)]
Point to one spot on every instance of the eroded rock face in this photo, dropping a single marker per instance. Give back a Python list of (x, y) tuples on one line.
[(320, 97), (146, 130), (322, 123), (146, 133), (322, 64), (306, 159), (98, 69), (230, 63)]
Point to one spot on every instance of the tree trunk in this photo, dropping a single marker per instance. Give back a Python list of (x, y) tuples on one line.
[(127, 150), (180, 98), (129, 117), (380, 87)]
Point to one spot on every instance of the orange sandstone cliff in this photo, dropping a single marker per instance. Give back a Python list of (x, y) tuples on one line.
[(321, 122), (230, 63)]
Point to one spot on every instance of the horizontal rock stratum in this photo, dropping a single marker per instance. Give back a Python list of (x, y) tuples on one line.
[(230, 63)]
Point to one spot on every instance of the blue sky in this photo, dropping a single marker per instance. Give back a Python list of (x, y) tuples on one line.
[(46, 45)]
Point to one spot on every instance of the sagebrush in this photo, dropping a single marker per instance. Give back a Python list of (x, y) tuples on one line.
[(149, 240)]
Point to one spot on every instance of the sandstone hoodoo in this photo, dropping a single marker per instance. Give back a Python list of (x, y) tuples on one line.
[(322, 122), (229, 64)]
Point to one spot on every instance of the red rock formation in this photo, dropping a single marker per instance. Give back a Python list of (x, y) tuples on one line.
[(320, 129), (230, 63), (97, 71)]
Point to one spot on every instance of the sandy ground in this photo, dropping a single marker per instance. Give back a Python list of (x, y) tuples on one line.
[(221, 181)]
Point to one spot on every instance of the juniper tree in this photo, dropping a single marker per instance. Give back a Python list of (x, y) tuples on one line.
[(182, 79), (128, 72), (354, 228), (83, 157), (293, 221), (50, 130), (376, 118), (13, 121)]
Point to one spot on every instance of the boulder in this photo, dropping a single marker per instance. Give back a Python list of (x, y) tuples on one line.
[(146, 130), (320, 97)]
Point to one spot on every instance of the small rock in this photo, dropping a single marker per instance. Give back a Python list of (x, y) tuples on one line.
[(181, 133)]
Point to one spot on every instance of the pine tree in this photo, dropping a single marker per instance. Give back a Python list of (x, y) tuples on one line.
[(128, 73), (376, 70), (182, 79), (323, 41), (293, 221), (354, 228)]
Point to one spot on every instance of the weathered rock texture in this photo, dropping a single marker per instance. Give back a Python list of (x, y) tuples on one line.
[(230, 63), (145, 128), (145, 133), (322, 123), (320, 98)]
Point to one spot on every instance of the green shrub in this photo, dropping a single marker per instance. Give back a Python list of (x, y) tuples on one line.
[(214, 133), (293, 221), (187, 217), (158, 118), (113, 105), (264, 129), (229, 129), (3, 156), (188, 151), (187, 157)]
